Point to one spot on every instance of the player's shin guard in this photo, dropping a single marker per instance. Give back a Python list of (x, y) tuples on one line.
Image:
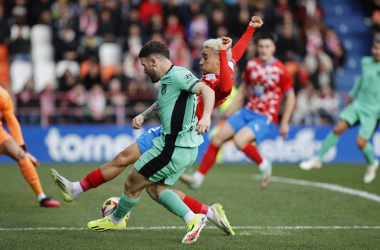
[(196, 206), (173, 203), (368, 153), (30, 174), (92, 180), (252, 152), (331, 140), (124, 206), (208, 159)]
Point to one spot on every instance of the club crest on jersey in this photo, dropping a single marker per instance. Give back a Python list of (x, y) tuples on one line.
[(210, 77), (163, 89), (188, 76)]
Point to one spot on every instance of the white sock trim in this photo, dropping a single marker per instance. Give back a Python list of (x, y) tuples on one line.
[(189, 216), (198, 177), (41, 196), (263, 165), (77, 188), (114, 220), (210, 213)]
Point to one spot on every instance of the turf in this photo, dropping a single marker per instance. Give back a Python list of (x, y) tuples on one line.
[(232, 185)]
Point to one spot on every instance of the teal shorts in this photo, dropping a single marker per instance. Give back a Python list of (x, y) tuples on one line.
[(353, 114), (165, 163)]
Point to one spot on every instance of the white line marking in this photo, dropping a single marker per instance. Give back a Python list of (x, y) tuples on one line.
[(179, 227), (332, 187)]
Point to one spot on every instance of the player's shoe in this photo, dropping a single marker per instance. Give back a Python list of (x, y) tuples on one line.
[(313, 163), (188, 179), (33, 159), (105, 224), (49, 202), (194, 228), (265, 175), (371, 172), (220, 219), (64, 186)]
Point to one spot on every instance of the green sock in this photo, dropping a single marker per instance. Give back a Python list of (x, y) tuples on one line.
[(331, 140), (173, 203), (368, 153), (124, 206)]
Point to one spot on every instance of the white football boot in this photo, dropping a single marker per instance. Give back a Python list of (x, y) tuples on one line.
[(313, 163), (64, 186), (220, 219), (370, 174)]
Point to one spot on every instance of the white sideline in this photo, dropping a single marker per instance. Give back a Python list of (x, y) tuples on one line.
[(332, 187), (177, 227)]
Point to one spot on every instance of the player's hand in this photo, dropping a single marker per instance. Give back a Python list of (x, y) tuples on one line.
[(256, 22), (284, 130), (203, 125), (33, 159), (349, 100), (227, 43), (137, 122)]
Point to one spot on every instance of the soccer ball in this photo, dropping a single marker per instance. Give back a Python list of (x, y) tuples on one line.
[(110, 205)]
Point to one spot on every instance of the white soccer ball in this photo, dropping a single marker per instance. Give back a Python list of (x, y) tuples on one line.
[(110, 205)]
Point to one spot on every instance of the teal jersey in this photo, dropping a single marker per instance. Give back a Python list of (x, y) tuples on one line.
[(177, 108), (368, 87)]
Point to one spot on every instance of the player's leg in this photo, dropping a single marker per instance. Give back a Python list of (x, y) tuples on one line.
[(10, 148), (215, 213), (348, 117), (367, 127), (228, 129), (134, 184), (71, 190)]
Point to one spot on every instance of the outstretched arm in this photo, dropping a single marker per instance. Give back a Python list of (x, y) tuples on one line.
[(208, 97), (239, 48), (289, 106), (151, 112), (226, 79)]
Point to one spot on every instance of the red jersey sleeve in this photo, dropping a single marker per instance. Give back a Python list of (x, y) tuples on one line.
[(239, 48), (286, 83), (226, 76)]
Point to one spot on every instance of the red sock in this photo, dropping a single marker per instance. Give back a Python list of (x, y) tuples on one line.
[(195, 206), (208, 159), (252, 152), (92, 180)]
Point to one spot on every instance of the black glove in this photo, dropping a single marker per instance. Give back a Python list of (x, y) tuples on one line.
[(24, 148)]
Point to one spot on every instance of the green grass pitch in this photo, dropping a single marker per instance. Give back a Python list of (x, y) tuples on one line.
[(281, 204)]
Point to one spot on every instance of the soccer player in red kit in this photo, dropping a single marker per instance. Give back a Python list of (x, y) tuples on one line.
[(267, 80), (217, 65)]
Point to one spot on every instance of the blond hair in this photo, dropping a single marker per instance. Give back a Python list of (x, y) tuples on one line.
[(214, 44)]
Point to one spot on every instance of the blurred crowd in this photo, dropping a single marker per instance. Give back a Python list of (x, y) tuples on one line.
[(73, 61)]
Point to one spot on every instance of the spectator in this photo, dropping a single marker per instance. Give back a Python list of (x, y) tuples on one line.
[(213, 5), (93, 77), (88, 22), (173, 28), (26, 99), (306, 111), (149, 8), (132, 65), (322, 77), (19, 46), (117, 101), (96, 103), (47, 105), (64, 17), (76, 99), (328, 105), (179, 51), (67, 81), (309, 9), (333, 47), (218, 20), (106, 26), (171, 8), (376, 24), (36, 8), (157, 25), (287, 45), (65, 45), (120, 77), (240, 24), (301, 77)]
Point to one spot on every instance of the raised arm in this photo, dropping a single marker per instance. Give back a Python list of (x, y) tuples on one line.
[(208, 97), (226, 79), (239, 48), (151, 112)]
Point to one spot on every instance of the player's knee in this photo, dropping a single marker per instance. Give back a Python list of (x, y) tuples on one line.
[(20, 155), (217, 140), (239, 142), (152, 191), (361, 142), (122, 160)]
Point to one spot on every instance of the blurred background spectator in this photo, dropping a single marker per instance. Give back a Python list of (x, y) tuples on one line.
[(76, 61)]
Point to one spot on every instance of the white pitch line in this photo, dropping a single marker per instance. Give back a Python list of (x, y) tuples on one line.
[(179, 227), (332, 187)]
